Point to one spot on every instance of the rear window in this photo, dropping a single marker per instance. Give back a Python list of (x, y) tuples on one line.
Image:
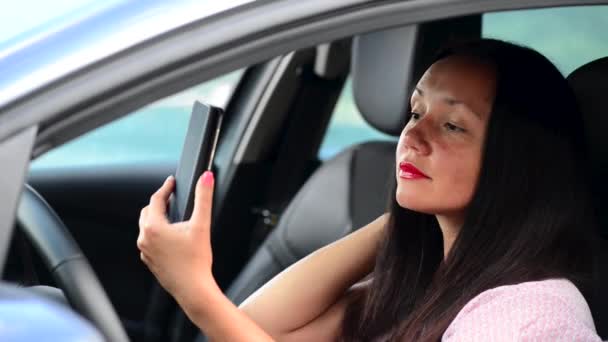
[(568, 36)]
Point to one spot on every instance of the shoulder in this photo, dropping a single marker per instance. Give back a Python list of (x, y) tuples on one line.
[(552, 309)]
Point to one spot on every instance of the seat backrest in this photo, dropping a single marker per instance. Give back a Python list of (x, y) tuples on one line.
[(590, 84), (346, 193)]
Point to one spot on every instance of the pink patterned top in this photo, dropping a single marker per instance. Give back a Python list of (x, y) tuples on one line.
[(548, 310)]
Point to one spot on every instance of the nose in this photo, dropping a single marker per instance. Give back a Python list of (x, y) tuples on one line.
[(416, 138)]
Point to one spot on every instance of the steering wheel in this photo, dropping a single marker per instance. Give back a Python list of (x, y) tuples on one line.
[(67, 264)]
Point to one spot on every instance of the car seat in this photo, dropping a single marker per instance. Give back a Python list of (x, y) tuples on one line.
[(590, 86)]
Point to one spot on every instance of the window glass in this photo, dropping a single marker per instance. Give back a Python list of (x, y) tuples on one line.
[(347, 127), (568, 36), (154, 133)]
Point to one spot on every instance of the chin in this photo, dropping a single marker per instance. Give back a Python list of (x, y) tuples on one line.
[(411, 201)]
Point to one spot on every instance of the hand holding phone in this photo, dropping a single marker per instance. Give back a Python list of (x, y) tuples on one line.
[(197, 156)]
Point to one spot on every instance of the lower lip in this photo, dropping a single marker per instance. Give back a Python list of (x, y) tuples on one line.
[(409, 175)]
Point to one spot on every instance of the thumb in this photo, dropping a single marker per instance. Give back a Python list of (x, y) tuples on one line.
[(203, 198)]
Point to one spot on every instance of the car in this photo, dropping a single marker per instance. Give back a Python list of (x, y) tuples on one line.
[(94, 110)]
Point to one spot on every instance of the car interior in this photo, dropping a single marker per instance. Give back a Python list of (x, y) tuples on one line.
[(276, 201)]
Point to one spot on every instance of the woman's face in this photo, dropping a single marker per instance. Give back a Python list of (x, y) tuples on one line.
[(439, 150)]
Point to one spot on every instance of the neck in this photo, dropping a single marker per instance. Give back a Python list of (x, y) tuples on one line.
[(450, 225)]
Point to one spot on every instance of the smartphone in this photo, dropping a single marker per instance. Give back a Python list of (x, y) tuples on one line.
[(197, 157)]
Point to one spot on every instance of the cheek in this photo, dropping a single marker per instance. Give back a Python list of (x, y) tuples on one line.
[(458, 171), (455, 169)]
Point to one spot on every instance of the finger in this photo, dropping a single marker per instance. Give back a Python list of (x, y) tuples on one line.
[(158, 202), (203, 198)]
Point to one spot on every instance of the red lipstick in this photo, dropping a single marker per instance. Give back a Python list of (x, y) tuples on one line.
[(409, 171)]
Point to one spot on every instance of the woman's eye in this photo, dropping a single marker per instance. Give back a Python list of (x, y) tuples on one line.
[(453, 128), (414, 116)]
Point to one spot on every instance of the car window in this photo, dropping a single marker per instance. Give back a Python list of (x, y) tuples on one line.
[(347, 127), (154, 133), (568, 36)]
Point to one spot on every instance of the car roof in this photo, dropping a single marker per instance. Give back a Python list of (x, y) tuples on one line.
[(40, 56)]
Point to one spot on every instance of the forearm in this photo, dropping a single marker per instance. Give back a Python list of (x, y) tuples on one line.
[(219, 318), (306, 289)]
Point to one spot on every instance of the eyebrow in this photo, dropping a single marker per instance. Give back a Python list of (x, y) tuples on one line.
[(451, 101)]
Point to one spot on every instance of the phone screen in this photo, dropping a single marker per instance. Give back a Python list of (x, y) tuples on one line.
[(197, 157)]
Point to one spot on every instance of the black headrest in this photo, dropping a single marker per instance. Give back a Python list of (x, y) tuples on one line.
[(386, 64), (590, 85)]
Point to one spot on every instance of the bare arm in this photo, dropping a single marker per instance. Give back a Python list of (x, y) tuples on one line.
[(304, 291), (220, 319), (179, 254)]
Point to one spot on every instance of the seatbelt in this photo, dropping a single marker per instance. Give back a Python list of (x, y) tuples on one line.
[(279, 195), (291, 171)]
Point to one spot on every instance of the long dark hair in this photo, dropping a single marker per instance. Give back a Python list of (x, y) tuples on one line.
[(530, 217)]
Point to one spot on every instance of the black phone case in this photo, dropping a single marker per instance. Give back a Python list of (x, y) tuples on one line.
[(196, 153)]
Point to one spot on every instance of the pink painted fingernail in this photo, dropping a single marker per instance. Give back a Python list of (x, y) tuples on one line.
[(208, 178)]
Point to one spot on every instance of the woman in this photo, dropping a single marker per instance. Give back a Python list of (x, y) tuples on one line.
[(488, 236)]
